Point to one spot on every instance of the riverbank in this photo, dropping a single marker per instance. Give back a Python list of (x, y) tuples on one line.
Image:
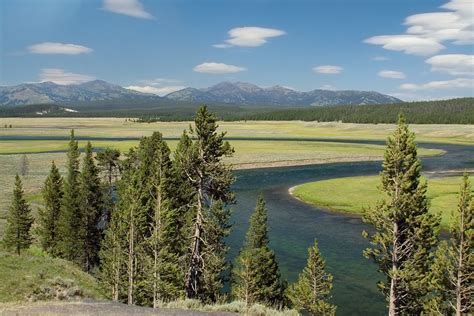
[(354, 195)]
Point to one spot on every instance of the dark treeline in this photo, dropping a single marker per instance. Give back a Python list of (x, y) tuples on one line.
[(454, 111), (152, 225)]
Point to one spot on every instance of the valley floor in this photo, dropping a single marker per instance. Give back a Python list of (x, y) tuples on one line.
[(257, 144)]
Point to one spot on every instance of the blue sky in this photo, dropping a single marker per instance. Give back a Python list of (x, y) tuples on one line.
[(412, 49)]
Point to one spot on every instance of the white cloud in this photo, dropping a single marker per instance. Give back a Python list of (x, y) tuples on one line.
[(160, 82), (161, 91), (60, 76), (218, 68), (127, 7), (221, 45), (380, 58), (459, 83), (249, 36), (328, 87), (392, 74), (427, 31), (453, 64), (409, 44), (58, 48), (328, 69)]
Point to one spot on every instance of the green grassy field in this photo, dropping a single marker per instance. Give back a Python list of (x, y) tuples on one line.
[(33, 270), (117, 127), (355, 194), (250, 153)]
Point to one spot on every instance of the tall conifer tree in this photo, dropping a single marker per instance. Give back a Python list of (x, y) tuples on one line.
[(48, 228), (164, 275), (454, 268), (312, 290), (71, 219), (17, 233), (256, 277), (405, 233), (210, 180), (91, 208)]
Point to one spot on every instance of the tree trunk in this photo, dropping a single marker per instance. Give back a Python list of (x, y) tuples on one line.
[(157, 229), (131, 258), (115, 289), (392, 310), (460, 267), (192, 277)]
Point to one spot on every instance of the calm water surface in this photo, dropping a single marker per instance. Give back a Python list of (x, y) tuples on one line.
[(294, 225)]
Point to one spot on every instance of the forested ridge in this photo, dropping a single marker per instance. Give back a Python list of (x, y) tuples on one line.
[(453, 111), (152, 228)]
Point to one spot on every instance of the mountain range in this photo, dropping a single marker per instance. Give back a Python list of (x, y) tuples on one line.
[(236, 93), (243, 93)]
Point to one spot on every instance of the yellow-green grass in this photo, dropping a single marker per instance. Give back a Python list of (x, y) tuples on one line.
[(248, 154), (356, 194), (118, 127), (21, 275)]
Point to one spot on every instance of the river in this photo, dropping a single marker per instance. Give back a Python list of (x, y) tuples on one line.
[(293, 225)]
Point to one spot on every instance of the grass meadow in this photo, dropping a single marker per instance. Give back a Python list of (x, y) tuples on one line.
[(118, 127), (356, 194), (250, 152)]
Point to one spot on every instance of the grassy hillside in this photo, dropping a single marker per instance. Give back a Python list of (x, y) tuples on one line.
[(36, 276)]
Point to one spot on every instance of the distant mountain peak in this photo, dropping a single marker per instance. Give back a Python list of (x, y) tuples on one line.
[(50, 92), (243, 93), (226, 92)]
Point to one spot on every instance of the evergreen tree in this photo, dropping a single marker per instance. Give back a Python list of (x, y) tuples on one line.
[(132, 213), (210, 180), (164, 275), (71, 220), (91, 208), (454, 266), (405, 232), (256, 277), (145, 216), (17, 233), (48, 217), (108, 163), (312, 290), (113, 256)]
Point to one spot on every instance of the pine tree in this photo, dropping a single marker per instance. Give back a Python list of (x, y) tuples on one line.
[(17, 233), (210, 180), (256, 277), (113, 255), (71, 220), (49, 215), (312, 290), (405, 233), (454, 265), (108, 163), (148, 223), (165, 277), (132, 213), (91, 208)]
